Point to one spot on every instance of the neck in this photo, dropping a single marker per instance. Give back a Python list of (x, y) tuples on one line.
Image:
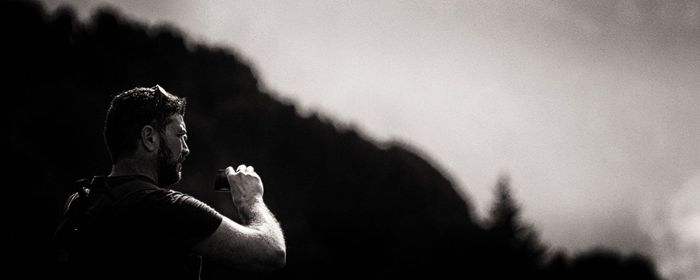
[(131, 166)]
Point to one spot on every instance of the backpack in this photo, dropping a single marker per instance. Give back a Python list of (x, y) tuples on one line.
[(78, 229)]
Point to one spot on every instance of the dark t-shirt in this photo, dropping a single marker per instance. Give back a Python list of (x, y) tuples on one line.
[(140, 231)]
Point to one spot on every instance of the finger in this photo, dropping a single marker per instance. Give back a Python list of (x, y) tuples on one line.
[(240, 168), (250, 169), (229, 171)]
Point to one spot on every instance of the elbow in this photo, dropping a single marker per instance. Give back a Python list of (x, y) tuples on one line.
[(273, 259), (276, 259), (280, 258)]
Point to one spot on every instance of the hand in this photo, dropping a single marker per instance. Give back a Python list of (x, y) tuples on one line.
[(246, 185)]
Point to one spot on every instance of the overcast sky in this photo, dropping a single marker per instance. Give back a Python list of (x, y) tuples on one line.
[(592, 107)]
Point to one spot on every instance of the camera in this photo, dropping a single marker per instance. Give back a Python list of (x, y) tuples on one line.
[(221, 182)]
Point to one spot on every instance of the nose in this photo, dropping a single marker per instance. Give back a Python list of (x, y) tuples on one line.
[(185, 149)]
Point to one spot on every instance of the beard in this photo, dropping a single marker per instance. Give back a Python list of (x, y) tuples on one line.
[(168, 171)]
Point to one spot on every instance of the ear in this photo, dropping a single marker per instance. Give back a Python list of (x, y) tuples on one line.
[(149, 138)]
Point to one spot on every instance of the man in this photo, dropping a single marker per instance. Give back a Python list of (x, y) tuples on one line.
[(129, 225)]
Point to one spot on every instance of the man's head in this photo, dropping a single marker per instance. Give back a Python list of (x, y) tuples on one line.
[(147, 124)]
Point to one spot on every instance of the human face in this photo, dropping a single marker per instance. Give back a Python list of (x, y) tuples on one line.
[(172, 152)]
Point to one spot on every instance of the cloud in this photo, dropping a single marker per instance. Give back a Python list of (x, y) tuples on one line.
[(628, 13), (675, 230)]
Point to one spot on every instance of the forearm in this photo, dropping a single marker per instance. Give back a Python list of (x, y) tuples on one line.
[(257, 216), (260, 241)]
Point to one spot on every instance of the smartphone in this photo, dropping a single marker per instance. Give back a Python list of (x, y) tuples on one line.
[(220, 181)]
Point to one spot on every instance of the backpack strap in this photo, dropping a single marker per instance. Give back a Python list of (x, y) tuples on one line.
[(74, 213)]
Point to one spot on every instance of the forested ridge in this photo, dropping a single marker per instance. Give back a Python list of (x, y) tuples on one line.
[(349, 205)]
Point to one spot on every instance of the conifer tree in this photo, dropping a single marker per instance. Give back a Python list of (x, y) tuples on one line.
[(516, 246)]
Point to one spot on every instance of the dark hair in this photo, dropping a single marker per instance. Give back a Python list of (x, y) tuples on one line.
[(133, 109)]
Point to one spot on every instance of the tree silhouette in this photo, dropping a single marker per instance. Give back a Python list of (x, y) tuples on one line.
[(600, 263), (515, 251), (516, 246)]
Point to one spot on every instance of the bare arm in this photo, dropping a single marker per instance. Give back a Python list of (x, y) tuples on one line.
[(257, 243)]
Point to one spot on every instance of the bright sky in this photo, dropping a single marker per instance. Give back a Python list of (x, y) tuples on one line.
[(592, 107)]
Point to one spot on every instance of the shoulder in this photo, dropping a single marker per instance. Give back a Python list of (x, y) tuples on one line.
[(143, 191), (140, 192), (173, 215), (166, 213), (146, 199)]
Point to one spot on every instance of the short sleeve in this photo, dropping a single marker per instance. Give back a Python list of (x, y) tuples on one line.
[(167, 215)]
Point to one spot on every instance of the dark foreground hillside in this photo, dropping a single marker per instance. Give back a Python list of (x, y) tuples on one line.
[(348, 205)]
